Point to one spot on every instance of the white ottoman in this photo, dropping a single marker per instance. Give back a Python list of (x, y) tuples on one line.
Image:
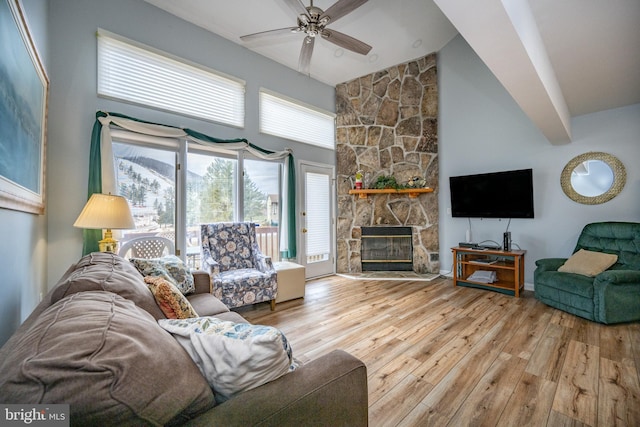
[(291, 280)]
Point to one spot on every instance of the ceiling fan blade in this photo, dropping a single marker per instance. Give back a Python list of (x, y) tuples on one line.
[(345, 41), (270, 33), (297, 7), (305, 54), (341, 8)]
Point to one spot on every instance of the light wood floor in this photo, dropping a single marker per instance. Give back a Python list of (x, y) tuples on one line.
[(452, 356)]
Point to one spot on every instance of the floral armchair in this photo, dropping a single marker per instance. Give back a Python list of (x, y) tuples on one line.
[(240, 273)]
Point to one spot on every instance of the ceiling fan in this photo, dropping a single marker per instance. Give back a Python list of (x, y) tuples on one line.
[(313, 21)]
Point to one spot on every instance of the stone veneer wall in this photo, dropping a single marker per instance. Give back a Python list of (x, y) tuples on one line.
[(387, 123)]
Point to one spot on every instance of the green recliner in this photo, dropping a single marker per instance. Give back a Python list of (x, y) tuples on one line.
[(612, 296)]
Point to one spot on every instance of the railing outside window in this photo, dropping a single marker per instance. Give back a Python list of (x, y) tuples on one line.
[(268, 242)]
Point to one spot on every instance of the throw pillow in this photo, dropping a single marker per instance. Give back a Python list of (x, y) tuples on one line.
[(588, 263), (170, 267), (173, 304), (234, 357)]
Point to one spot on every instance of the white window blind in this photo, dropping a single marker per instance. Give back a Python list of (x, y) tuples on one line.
[(292, 120), (134, 74), (318, 216)]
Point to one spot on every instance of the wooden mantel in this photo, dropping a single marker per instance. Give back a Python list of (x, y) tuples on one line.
[(412, 192)]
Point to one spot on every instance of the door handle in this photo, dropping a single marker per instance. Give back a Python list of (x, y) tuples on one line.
[(304, 230)]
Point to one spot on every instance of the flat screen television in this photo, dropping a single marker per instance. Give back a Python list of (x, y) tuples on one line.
[(507, 194)]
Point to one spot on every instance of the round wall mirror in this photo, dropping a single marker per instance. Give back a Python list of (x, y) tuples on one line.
[(593, 178)]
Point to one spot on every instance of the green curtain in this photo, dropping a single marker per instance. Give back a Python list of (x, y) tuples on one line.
[(208, 138), (291, 252), (92, 237), (291, 212)]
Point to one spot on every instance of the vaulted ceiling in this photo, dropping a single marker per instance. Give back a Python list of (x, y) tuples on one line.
[(557, 59)]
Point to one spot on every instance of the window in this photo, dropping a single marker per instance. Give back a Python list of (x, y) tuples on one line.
[(318, 217), (130, 72), (211, 189), (261, 190), (287, 118), (262, 182), (146, 176)]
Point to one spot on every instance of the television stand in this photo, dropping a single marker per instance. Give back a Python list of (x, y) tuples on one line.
[(507, 265)]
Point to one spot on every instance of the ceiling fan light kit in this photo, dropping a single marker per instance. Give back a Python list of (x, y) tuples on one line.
[(312, 21)]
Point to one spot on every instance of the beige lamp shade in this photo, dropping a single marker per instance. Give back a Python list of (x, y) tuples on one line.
[(106, 211)]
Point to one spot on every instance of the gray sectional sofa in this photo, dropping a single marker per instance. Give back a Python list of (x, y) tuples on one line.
[(94, 343)]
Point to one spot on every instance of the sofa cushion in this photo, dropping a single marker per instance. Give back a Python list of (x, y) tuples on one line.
[(104, 271), (173, 304), (207, 305), (588, 263), (234, 357), (169, 267), (109, 360), (244, 286), (231, 316)]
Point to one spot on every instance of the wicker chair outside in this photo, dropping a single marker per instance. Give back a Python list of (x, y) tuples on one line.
[(147, 247)]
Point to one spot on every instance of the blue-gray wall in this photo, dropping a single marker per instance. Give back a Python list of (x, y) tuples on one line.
[(482, 129), (23, 237), (36, 250), (73, 25)]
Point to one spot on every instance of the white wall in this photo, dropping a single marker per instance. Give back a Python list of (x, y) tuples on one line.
[(483, 130), (73, 24), (23, 260)]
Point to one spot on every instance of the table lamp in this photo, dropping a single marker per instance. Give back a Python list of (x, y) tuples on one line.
[(106, 211)]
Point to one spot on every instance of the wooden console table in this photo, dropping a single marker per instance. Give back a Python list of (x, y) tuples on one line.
[(508, 266)]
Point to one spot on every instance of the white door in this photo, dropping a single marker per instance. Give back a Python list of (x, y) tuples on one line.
[(317, 222)]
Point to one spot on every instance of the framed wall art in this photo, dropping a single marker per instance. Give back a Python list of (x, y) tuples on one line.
[(24, 88)]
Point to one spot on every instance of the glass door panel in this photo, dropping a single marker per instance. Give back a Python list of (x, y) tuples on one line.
[(210, 197), (262, 203), (317, 228), (147, 178)]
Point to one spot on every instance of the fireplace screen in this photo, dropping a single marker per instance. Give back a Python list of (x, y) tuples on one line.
[(386, 249)]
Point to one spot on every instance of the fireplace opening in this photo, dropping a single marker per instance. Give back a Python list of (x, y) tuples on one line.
[(385, 248)]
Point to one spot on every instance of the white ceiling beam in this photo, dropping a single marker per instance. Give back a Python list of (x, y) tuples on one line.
[(505, 36)]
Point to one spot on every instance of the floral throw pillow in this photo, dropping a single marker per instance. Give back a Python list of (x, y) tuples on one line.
[(173, 304), (233, 357), (169, 267)]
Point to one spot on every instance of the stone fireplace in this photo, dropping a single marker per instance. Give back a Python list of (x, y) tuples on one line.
[(387, 124)]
